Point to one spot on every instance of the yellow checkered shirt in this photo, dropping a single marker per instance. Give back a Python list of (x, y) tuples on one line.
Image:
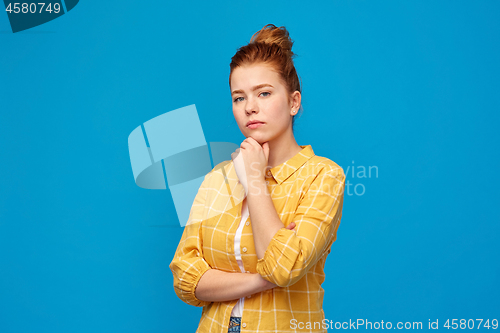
[(308, 190)]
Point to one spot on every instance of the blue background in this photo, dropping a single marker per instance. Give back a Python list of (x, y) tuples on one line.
[(410, 87)]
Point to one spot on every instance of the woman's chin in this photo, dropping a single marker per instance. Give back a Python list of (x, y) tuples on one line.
[(259, 138)]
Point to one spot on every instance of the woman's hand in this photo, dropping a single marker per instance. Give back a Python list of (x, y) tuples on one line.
[(250, 161), (239, 166)]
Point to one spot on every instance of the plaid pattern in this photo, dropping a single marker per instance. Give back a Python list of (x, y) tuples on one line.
[(308, 190)]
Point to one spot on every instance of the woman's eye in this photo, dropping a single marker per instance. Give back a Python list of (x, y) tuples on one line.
[(265, 92), (237, 99)]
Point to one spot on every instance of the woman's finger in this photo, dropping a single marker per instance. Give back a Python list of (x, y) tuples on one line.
[(252, 142)]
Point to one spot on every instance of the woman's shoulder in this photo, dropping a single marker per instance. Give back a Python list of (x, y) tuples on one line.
[(222, 184), (222, 172), (324, 165), (222, 168)]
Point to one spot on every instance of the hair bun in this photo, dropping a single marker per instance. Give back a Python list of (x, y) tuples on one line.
[(270, 34)]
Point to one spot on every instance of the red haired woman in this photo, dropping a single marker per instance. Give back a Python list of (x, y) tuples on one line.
[(262, 224)]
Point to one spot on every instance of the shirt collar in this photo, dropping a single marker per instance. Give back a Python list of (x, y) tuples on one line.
[(281, 172)]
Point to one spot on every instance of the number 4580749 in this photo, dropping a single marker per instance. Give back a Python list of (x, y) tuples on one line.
[(469, 324), (33, 7)]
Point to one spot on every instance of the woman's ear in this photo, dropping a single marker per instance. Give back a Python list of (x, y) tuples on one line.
[(295, 100)]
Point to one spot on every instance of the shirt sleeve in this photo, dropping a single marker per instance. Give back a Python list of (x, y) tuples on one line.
[(188, 264), (290, 253)]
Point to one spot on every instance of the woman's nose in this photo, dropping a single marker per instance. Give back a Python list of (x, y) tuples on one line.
[(251, 107)]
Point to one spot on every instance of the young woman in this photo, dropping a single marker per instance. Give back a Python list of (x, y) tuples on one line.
[(262, 224)]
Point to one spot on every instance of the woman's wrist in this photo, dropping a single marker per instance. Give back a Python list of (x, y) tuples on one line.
[(262, 284), (257, 186)]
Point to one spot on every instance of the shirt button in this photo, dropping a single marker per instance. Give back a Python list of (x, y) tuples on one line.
[(268, 173), (247, 223), (244, 249), (244, 325)]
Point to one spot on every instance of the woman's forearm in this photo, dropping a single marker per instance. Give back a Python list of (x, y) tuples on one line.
[(265, 219), (219, 286)]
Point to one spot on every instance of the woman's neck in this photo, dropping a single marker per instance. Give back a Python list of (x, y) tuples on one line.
[(282, 150)]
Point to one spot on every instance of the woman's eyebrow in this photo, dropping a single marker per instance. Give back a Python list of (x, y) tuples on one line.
[(254, 88)]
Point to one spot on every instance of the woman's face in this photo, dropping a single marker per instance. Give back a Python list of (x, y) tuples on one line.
[(258, 94)]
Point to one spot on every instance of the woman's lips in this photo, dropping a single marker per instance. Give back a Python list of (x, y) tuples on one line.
[(255, 125)]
